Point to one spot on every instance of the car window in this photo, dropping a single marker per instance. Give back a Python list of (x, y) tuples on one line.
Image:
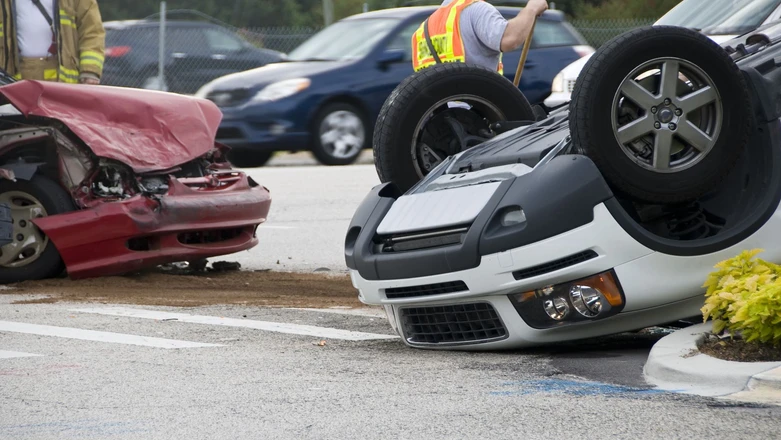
[(720, 17), (346, 39), (188, 40), (403, 40), (552, 34), (221, 41)]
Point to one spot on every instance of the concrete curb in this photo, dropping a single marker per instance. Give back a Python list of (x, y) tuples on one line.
[(675, 364)]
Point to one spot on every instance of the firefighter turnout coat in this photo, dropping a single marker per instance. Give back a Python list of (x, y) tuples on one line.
[(79, 34), (444, 32)]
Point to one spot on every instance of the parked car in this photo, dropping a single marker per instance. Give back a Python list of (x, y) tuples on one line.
[(326, 95), (196, 53), (109, 180), (721, 20)]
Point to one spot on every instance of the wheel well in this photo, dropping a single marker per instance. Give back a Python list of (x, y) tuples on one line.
[(41, 151)]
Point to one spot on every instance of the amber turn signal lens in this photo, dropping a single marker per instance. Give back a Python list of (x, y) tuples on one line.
[(606, 284)]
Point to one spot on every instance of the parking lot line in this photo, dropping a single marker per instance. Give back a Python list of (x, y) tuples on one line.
[(279, 327), (15, 354), (92, 335)]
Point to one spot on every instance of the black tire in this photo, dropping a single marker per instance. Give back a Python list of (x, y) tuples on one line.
[(592, 104), (249, 158), (56, 201), (409, 103), (325, 153)]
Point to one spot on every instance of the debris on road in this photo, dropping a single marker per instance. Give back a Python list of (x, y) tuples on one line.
[(251, 288), (226, 266)]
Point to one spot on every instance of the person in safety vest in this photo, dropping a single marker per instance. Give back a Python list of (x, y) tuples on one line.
[(52, 40), (471, 31)]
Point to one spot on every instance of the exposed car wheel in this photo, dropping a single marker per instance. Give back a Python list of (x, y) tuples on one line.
[(249, 158), (340, 134), (663, 112), (31, 256), (438, 112)]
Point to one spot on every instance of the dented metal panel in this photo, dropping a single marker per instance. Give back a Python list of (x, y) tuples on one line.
[(144, 129)]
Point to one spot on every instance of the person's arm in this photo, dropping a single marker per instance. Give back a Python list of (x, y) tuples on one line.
[(92, 41), (518, 27)]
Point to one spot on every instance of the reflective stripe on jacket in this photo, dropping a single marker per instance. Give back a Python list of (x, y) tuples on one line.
[(445, 33), (80, 40)]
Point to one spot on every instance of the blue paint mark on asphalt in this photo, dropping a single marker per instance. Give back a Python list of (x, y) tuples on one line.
[(570, 387), (86, 428)]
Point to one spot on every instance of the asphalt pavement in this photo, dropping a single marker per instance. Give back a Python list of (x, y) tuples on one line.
[(189, 377), (140, 372)]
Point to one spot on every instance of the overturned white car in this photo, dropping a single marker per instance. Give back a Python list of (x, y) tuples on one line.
[(602, 217)]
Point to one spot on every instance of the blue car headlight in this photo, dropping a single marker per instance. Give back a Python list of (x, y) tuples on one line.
[(282, 89)]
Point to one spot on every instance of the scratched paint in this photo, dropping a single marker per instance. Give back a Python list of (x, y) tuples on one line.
[(568, 387)]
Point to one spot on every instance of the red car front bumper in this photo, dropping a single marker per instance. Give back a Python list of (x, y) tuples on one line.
[(195, 219)]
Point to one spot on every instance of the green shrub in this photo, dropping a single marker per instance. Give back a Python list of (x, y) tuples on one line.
[(744, 297)]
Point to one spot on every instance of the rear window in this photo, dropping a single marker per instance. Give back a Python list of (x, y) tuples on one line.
[(553, 34)]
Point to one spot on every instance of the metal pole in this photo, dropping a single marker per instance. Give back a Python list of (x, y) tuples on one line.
[(161, 60), (365, 8), (328, 11)]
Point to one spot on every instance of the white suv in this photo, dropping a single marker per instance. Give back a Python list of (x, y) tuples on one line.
[(721, 20)]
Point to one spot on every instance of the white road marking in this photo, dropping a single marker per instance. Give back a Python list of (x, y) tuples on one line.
[(264, 226), (371, 313), (15, 354), (92, 335), (280, 327)]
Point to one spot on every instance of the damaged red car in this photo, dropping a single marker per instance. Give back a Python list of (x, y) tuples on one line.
[(104, 181)]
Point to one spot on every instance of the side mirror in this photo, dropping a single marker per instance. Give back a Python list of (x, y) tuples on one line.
[(391, 56)]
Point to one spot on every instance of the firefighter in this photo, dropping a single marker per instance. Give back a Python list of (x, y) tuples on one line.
[(471, 31), (52, 40)]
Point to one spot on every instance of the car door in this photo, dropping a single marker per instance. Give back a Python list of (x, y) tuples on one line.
[(390, 74), (230, 54), (552, 49), (190, 58)]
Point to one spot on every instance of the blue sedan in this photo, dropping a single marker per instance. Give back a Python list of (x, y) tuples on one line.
[(325, 96)]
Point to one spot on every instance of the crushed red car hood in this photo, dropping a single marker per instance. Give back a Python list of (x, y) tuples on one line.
[(146, 130)]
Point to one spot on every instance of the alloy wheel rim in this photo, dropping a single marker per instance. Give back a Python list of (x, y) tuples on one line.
[(342, 134), (28, 241), (673, 115), (419, 149)]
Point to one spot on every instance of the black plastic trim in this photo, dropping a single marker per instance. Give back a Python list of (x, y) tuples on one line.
[(555, 265), (426, 290), (555, 198)]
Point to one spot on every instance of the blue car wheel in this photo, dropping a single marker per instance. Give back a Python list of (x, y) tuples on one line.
[(340, 133)]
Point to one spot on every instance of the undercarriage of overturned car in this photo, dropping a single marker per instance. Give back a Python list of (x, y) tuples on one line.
[(105, 181), (601, 216)]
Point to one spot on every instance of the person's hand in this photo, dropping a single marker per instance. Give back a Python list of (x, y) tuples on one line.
[(538, 6), (90, 80)]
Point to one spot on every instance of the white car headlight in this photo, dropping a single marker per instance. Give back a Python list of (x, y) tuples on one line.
[(558, 84), (282, 89)]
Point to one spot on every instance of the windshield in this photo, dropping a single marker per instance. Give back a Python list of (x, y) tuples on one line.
[(343, 40), (720, 17)]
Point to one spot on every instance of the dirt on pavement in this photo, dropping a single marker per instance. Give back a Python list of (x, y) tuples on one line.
[(262, 288)]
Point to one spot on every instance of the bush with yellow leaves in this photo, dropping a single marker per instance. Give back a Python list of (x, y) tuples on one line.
[(744, 297)]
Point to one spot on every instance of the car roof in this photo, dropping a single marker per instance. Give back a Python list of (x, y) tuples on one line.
[(125, 24), (409, 11)]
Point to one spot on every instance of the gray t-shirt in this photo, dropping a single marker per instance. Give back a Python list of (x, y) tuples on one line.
[(482, 27)]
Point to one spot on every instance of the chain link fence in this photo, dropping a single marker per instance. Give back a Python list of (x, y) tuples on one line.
[(199, 51)]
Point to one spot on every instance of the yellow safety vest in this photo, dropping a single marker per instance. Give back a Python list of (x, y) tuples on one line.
[(444, 32)]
